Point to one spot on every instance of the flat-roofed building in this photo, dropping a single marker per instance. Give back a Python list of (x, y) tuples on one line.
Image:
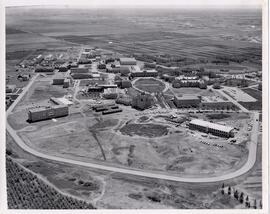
[(48, 112), (128, 61), (66, 83), (120, 69), (213, 128), (79, 70), (81, 76), (187, 100), (191, 82), (142, 101), (145, 73), (58, 79), (10, 88), (216, 102), (98, 89), (45, 69)]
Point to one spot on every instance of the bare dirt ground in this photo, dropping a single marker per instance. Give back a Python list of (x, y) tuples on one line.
[(117, 139)]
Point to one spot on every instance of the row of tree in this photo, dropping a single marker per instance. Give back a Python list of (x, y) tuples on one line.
[(240, 196)]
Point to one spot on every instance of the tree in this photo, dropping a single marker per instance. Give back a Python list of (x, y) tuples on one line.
[(241, 198), (229, 190), (255, 204), (236, 195)]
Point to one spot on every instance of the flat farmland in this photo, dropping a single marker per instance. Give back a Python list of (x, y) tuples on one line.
[(178, 32), (184, 45), (31, 41)]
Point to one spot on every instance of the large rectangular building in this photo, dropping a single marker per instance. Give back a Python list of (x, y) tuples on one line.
[(128, 61), (187, 100), (141, 101), (145, 73), (48, 112), (213, 128), (79, 70)]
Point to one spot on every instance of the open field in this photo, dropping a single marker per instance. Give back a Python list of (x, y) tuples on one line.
[(136, 192), (41, 92), (257, 105), (31, 41), (194, 91), (238, 94), (99, 138), (149, 85), (148, 35)]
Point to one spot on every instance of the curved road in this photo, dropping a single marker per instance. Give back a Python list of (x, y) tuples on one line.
[(245, 168)]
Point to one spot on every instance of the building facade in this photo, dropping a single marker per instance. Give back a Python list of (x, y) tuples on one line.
[(48, 112), (79, 70), (145, 73), (187, 100), (128, 61), (142, 101), (213, 128)]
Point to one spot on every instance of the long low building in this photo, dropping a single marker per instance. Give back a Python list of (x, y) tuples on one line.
[(48, 112), (128, 61), (79, 70), (187, 100), (213, 128), (145, 73)]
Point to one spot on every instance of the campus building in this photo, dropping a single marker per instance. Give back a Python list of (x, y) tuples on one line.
[(145, 73), (213, 128), (128, 61), (118, 69), (178, 83), (48, 112), (79, 70), (40, 69), (187, 100), (216, 102), (81, 76), (66, 83), (58, 79), (141, 101), (123, 83)]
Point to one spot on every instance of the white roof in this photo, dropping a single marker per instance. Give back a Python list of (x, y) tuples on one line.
[(127, 59), (211, 125)]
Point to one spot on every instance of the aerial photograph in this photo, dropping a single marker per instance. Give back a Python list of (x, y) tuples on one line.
[(133, 107)]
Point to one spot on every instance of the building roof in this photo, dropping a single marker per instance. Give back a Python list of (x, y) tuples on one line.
[(127, 59), (211, 125), (59, 76), (187, 97), (43, 108)]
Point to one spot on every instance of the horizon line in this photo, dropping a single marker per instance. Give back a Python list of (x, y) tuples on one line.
[(126, 6)]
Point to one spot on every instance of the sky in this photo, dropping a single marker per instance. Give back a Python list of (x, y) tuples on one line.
[(137, 3)]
